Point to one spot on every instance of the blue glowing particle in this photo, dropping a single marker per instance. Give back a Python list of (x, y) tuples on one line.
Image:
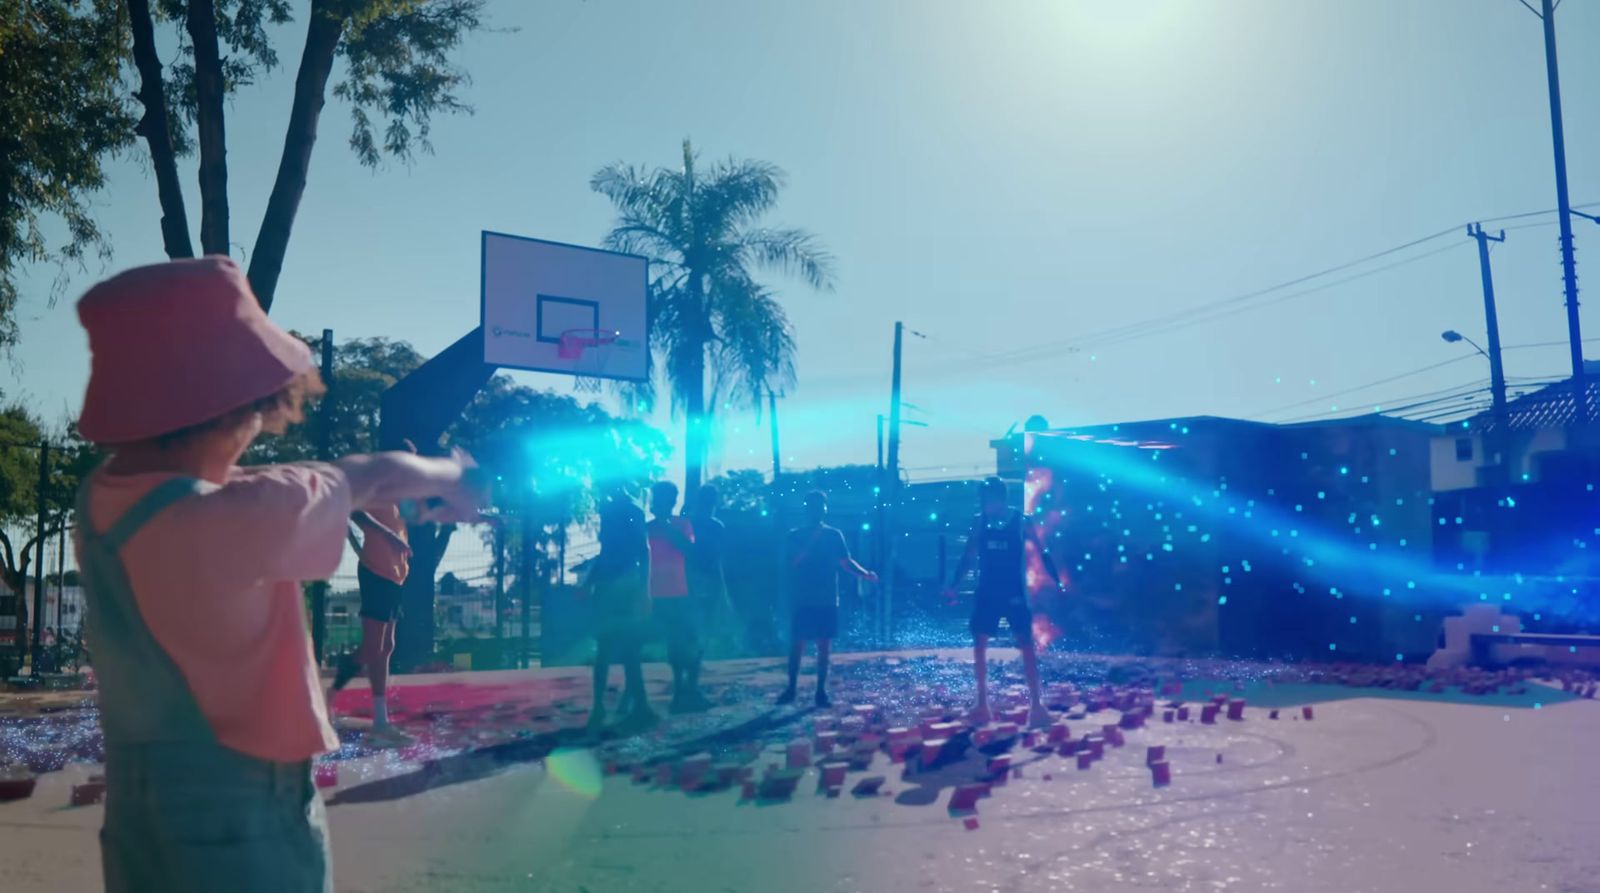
[(1344, 469), (1399, 656), (1411, 584), (1393, 451), (1299, 508), (866, 525), (933, 516), (1332, 647), (1177, 587), (1321, 495), (1222, 599), (1386, 591)]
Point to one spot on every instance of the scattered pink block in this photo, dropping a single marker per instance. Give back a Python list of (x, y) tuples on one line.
[(971, 823), (1307, 712), (1183, 714), (327, 775), (1085, 759), (799, 754), (1156, 753), (1272, 714), (1168, 715), (965, 797), (833, 774), (88, 794), (1059, 732), (931, 752), (1219, 759), (826, 741), (1236, 709), (1208, 714), (1000, 764), (1161, 773)]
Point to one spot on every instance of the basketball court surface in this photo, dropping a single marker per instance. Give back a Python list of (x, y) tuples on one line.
[(1371, 794)]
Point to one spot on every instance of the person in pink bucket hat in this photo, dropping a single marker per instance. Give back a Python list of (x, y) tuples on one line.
[(209, 697)]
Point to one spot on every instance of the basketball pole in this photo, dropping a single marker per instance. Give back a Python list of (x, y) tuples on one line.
[(772, 408)]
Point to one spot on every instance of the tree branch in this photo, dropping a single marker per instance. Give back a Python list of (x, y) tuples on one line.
[(156, 129), (208, 85), (323, 32)]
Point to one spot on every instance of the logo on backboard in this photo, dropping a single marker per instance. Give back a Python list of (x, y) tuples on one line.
[(500, 332)]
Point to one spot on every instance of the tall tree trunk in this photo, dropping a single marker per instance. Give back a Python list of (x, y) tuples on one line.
[(413, 636), (323, 33), (202, 25), (157, 132), (694, 441)]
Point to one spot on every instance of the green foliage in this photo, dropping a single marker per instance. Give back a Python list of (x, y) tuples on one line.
[(397, 57), (362, 370), (71, 460), (699, 225), (64, 110)]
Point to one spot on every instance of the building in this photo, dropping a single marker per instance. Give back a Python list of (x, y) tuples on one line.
[(1539, 440), (1207, 535)]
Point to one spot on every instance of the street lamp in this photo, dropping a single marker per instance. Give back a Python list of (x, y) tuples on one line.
[(1452, 336)]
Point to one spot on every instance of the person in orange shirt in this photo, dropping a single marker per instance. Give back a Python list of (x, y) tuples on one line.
[(677, 616)]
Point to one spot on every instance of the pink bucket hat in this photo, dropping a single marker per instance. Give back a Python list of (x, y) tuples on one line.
[(176, 344)]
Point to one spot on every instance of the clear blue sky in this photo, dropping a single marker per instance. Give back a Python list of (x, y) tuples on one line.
[(997, 175)]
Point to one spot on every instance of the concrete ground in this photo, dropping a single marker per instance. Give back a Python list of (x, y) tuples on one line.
[(1374, 794)]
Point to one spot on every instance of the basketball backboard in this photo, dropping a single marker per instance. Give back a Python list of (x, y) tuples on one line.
[(551, 307)]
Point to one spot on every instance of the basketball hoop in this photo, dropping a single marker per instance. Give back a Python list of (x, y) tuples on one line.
[(575, 341), (588, 350)]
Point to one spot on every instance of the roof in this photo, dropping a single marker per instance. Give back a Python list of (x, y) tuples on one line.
[(1371, 419), (1549, 407)]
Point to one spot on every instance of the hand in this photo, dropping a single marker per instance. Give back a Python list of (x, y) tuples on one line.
[(462, 502), (870, 576)]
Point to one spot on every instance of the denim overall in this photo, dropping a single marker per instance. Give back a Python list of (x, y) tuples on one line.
[(183, 812)]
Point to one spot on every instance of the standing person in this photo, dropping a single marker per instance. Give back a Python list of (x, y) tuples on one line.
[(998, 544), (707, 581), (816, 553), (380, 578), (619, 585), (671, 543), (209, 698)]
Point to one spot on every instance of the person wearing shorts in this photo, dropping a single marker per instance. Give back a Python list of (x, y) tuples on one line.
[(814, 556), (676, 614), (998, 545), (618, 586), (380, 579)]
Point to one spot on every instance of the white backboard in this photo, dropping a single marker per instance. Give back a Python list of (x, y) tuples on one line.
[(533, 291)]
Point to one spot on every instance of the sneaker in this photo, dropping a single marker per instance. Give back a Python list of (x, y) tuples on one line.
[(787, 697), (822, 700), (349, 667), (388, 738), (980, 715)]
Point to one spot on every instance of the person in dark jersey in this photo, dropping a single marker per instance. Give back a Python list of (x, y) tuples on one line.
[(708, 584), (815, 554), (998, 546), (619, 585)]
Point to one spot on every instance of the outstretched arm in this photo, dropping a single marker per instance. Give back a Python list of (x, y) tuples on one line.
[(851, 566), (969, 555), (452, 484)]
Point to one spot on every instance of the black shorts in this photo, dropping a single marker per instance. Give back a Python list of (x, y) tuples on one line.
[(380, 597), (676, 619), (988, 610), (811, 623)]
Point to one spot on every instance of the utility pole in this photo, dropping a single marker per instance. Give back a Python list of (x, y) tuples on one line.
[(1491, 321), (880, 441), (319, 589), (38, 568), (891, 488), (1569, 271), (61, 573), (772, 408)]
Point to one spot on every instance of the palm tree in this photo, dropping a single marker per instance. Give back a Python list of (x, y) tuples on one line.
[(722, 337)]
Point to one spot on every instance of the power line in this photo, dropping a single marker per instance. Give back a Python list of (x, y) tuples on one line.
[(1161, 324)]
